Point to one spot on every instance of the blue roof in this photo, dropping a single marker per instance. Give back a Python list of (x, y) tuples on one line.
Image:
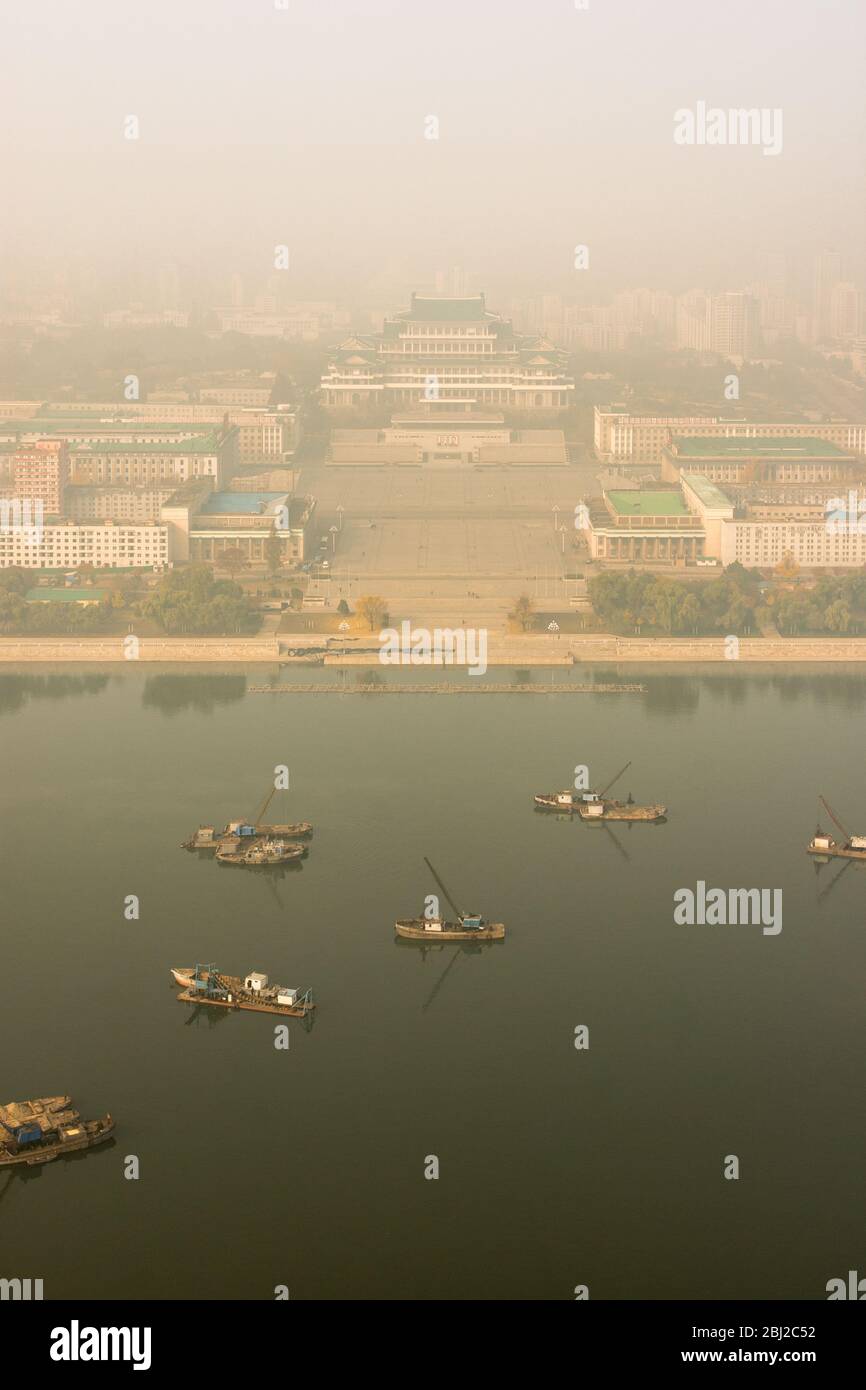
[(242, 503)]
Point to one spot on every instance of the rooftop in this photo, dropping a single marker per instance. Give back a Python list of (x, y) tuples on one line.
[(704, 446), (643, 502), (427, 309), (709, 494), (198, 444), (46, 595), (243, 503)]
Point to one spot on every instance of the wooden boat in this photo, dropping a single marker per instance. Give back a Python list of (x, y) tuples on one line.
[(469, 926), (823, 845), (38, 1131), (422, 929), (262, 854), (597, 805)]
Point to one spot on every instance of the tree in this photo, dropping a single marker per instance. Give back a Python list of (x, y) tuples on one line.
[(232, 560), (522, 613), (690, 613), (837, 617), (273, 551), (13, 612), (373, 609), (788, 567), (343, 608)]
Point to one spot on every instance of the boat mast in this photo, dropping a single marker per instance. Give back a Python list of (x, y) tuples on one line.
[(264, 807), (606, 789), (834, 818), (454, 906)]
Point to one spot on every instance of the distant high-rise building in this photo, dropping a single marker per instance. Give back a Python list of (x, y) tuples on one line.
[(41, 472), (846, 311), (733, 321), (828, 273), (692, 323)]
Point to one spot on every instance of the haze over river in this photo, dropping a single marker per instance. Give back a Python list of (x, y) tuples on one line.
[(557, 1167)]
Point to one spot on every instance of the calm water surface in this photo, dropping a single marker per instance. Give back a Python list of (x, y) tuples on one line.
[(557, 1167)]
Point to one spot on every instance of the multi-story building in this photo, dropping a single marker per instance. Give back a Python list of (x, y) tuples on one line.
[(453, 351), (238, 393), (203, 523), (699, 521), (759, 460), (140, 465), (70, 544), (116, 503), (762, 536), (733, 325), (621, 437), (645, 526), (40, 473), (265, 436)]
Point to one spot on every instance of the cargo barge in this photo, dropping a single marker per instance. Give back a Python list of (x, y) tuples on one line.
[(38, 1131), (207, 837), (243, 834), (204, 984)]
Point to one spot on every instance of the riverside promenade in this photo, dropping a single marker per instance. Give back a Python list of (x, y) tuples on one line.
[(534, 649)]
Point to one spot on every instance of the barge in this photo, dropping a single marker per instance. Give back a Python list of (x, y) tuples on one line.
[(204, 984), (207, 837), (38, 1131), (246, 833)]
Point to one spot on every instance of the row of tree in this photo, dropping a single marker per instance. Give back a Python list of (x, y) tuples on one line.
[(192, 600), (185, 601), (733, 603)]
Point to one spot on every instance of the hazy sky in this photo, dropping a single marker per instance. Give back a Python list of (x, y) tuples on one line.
[(306, 126)]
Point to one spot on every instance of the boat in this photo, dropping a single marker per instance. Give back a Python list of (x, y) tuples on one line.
[(204, 984), (824, 846), (38, 1131), (207, 837), (261, 854), (598, 806), (469, 926)]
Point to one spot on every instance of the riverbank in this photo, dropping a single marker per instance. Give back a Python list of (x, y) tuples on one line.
[(532, 650)]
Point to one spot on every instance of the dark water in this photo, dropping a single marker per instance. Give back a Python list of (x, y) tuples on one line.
[(557, 1167)]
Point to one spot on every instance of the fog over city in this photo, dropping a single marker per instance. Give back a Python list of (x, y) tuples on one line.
[(305, 125), (432, 671)]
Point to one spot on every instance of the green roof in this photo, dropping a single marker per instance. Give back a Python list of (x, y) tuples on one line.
[(705, 446), (641, 502), (64, 595), (710, 495), (64, 427), (198, 444), (427, 310)]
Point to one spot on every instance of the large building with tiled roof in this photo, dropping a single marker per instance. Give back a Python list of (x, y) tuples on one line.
[(453, 351)]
